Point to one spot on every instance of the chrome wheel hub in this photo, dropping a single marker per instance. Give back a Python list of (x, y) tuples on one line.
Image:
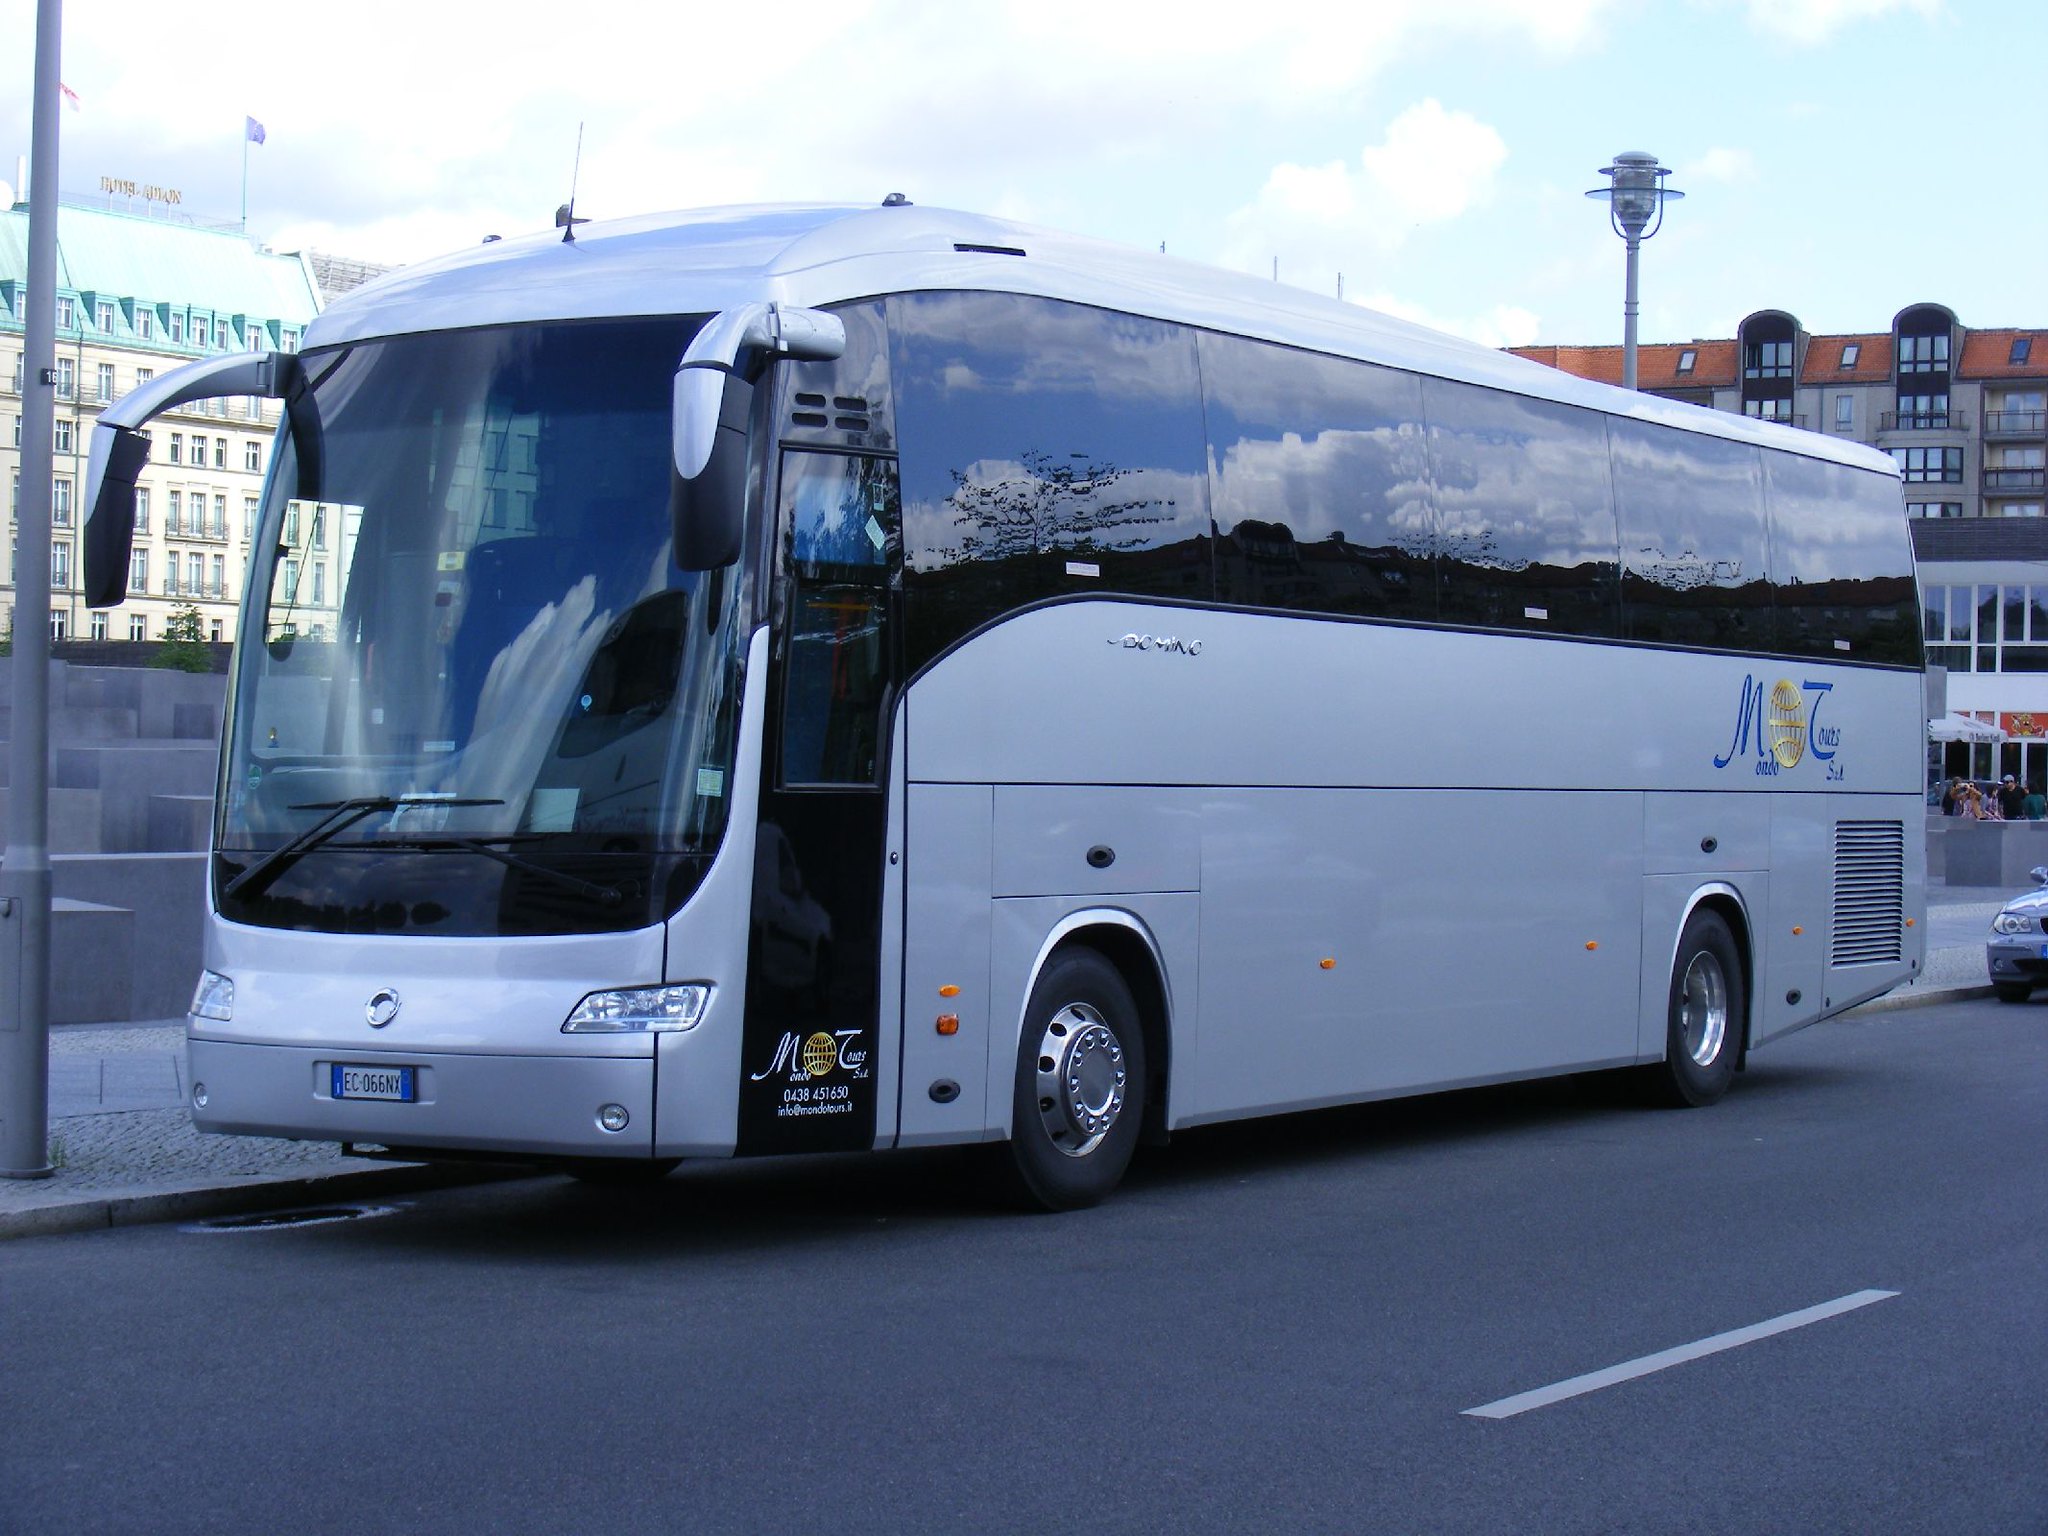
[(1080, 1079), (1703, 1010)]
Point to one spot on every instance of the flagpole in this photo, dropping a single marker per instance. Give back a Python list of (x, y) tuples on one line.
[(245, 178)]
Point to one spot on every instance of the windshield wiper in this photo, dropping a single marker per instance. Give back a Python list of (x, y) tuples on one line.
[(341, 815), (609, 895)]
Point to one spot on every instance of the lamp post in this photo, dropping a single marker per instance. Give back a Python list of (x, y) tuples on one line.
[(1635, 194)]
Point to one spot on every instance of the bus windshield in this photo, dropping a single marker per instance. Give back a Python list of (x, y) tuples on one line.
[(476, 695)]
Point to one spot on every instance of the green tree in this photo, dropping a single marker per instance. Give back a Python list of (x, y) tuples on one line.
[(184, 647)]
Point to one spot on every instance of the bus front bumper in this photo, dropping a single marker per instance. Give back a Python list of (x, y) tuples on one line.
[(542, 1106)]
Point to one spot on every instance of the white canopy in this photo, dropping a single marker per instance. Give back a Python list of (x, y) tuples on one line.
[(1954, 727)]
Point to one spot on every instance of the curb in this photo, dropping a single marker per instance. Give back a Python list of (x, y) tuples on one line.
[(263, 1191)]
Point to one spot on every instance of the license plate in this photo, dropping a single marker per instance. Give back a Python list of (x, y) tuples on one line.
[(392, 1083)]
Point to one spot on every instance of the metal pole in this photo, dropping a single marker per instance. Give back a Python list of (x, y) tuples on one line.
[(25, 867), (1628, 319)]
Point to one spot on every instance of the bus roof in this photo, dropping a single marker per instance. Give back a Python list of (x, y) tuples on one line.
[(703, 260)]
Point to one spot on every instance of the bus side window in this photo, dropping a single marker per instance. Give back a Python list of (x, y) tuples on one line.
[(1693, 538), (1841, 562), (841, 537), (1526, 536)]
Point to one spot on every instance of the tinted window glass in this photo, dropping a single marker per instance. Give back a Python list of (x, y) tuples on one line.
[(1693, 538), (1525, 523), (1841, 563), (1048, 450), (1318, 482)]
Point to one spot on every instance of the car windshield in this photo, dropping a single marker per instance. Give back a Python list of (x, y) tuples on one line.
[(472, 662)]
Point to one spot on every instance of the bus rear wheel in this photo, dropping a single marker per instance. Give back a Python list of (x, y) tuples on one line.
[(1707, 1015), (1080, 1091)]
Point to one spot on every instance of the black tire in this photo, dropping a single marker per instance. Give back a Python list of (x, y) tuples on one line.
[(618, 1172), (1706, 1017), (2011, 991), (1074, 1124)]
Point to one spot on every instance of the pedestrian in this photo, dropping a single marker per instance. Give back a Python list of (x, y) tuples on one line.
[(2035, 806), (1975, 806), (2010, 798), (1952, 798)]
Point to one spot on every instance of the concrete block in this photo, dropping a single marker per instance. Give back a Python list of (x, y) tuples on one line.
[(128, 775), (196, 722), (168, 890), (74, 819), (180, 823), (92, 958), (1993, 852)]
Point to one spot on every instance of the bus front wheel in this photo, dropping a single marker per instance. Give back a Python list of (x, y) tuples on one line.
[(1707, 1014), (1080, 1093)]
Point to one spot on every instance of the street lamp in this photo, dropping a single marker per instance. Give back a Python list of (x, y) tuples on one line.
[(1635, 196)]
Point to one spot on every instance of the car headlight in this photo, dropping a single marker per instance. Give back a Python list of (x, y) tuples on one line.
[(213, 998), (2013, 922), (636, 1010)]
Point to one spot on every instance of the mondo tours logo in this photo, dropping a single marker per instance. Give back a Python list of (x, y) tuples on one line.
[(1783, 720)]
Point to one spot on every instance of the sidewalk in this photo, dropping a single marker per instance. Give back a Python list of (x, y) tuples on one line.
[(125, 1150)]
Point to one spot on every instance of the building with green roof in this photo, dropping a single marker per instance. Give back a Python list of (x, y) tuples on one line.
[(136, 296)]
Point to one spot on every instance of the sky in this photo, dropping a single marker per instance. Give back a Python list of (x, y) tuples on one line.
[(1841, 159)]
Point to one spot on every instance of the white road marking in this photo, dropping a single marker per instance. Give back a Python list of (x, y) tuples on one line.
[(1629, 1370)]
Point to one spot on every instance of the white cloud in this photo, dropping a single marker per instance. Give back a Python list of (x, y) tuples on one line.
[(1719, 164), (1432, 166), (1815, 21)]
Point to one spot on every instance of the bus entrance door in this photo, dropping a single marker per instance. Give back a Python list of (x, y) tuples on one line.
[(809, 1073)]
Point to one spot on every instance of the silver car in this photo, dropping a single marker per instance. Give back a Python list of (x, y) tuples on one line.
[(2018, 951)]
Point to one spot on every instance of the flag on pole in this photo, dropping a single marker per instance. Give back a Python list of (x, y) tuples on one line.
[(70, 96), (252, 130)]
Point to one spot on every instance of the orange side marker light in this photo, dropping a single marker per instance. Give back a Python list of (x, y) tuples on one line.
[(949, 990), (1328, 965), (949, 1023)]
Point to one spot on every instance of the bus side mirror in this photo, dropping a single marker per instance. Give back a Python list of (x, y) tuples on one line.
[(118, 453), (708, 508)]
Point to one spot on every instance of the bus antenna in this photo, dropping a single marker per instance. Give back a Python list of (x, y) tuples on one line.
[(565, 216)]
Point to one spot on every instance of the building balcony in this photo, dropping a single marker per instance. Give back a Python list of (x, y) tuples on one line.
[(1924, 421), (2007, 481), (2006, 424)]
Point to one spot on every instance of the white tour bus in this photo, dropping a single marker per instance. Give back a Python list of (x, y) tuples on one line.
[(782, 679)]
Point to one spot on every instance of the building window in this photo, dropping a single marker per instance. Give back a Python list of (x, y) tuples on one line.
[(1923, 354), (1923, 410), (287, 339), (1851, 350), (103, 317), (216, 631), (248, 518), (60, 567), (60, 501), (1768, 410), (67, 378), (145, 322), (60, 623), (319, 583), (220, 453), (319, 527), (2020, 509), (199, 333), (65, 436), (218, 579), (177, 327), (105, 372), (195, 568), (67, 313), (219, 528), (1934, 509), (1923, 464), (252, 457), (177, 448), (138, 627), (99, 623), (2022, 349), (138, 571), (1767, 360), (1686, 359), (173, 523), (142, 509), (143, 376)]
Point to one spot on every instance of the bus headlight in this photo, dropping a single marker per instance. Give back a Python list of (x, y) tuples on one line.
[(637, 1009), (214, 997), (2012, 922)]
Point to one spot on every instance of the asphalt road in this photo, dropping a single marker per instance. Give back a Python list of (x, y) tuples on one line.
[(1274, 1327)]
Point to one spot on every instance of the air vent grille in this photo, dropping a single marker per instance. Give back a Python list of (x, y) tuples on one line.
[(1870, 893)]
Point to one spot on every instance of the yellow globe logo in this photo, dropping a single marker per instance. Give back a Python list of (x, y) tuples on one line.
[(1788, 724), (821, 1054)]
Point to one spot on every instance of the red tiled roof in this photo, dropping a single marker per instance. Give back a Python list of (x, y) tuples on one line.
[(1656, 364), (1988, 355), (1823, 363)]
